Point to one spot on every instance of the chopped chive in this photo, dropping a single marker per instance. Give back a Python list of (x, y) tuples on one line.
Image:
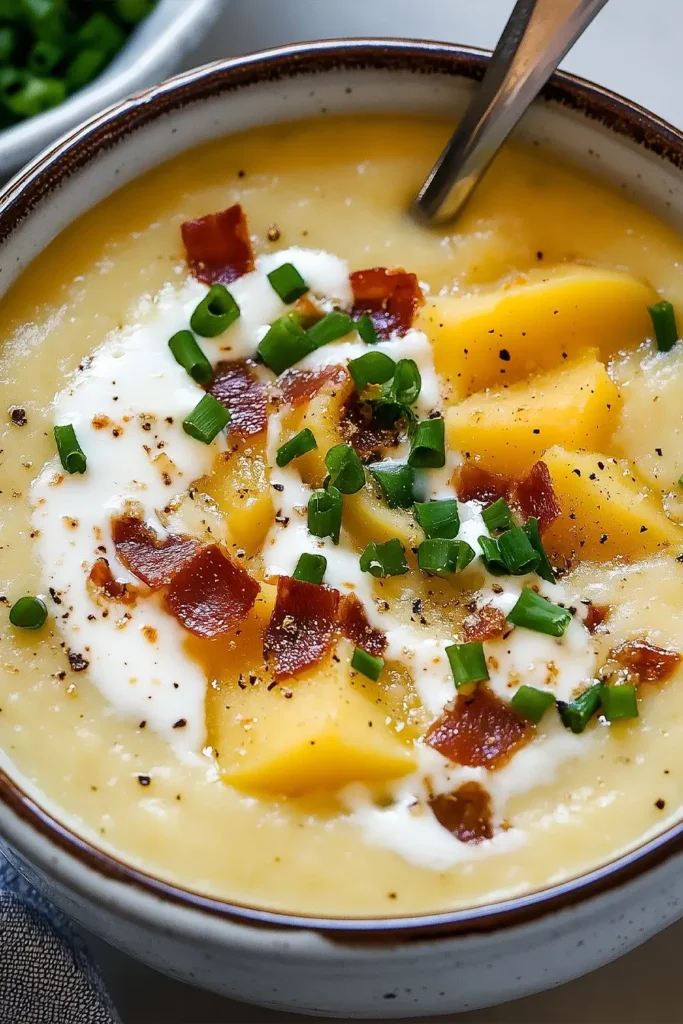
[(85, 66), (285, 344), (371, 368), (366, 329), (428, 447), (28, 613), (332, 326), (215, 313), (396, 480), (531, 703), (438, 518), (498, 516), (468, 663), (310, 568), (345, 469), (297, 446), (576, 714), (534, 612), (664, 323), (440, 556), (206, 420), (187, 352), (388, 559), (680, 480), (491, 556), (367, 664), (288, 282), (325, 513), (70, 452), (406, 384), (516, 551), (544, 568), (619, 701)]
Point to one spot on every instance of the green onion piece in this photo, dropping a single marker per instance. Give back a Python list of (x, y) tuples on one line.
[(544, 568), (28, 95), (70, 452), (85, 66), (297, 446), (367, 664), (8, 40), (285, 344), (498, 516), (100, 32), (206, 420), (428, 447), (288, 282), (187, 352), (345, 469), (440, 556), (366, 329), (396, 480), (619, 701), (534, 612), (406, 384), (133, 11), (438, 518), (664, 323), (531, 703), (310, 568), (28, 613), (577, 714), (388, 559), (215, 313), (372, 368), (468, 663), (330, 328), (491, 556), (325, 513), (516, 551), (680, 480), (43, 56)]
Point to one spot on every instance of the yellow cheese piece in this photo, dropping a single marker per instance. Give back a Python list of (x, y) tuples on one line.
[(239, 483), (606, 511), (575, 406), (502, 336)]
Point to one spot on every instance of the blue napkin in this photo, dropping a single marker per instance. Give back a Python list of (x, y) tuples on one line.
[(47, 975)]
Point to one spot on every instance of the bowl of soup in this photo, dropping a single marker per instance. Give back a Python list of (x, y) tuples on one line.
[(341, 654)]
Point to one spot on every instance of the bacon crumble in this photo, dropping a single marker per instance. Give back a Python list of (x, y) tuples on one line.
[(466, 812), (650, 663), (210, 594), (390, 297), (479, 731), (218, 246), (299, 386), (485, 623), (355, 627), (302, 627), (476, 484), (238, 388), (596, 614), (153, 560), (359, 428), (535, 496), (103, 579)]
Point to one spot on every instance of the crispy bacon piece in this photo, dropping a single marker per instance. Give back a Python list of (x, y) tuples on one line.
[(308, 311), (103, 578), (595, 616), (359, 428), (476, 484), (650, 663), (210, 595), (302, 626), (486, 623), (535, 496), (479, 731), (299, 386), (355, 626), (218, 246), (153, 560), (238, 388), (466, 812), (391, 297)]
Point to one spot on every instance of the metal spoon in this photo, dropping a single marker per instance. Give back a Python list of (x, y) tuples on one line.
[(537, 36)]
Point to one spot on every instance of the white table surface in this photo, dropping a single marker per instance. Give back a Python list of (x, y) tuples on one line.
[(633, 47)]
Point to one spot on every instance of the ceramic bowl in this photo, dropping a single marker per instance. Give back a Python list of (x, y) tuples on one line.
[(344, 967)]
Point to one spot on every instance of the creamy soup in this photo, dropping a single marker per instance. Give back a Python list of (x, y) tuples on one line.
[(351, 549)]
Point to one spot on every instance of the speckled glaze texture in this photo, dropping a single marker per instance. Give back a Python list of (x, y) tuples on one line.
[(346, 968)]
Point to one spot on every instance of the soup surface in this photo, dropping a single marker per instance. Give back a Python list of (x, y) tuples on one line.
[(403, 635)]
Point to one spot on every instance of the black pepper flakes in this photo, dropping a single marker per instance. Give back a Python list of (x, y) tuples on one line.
[(504, 355), (660, 804), (144, 780), (180, 724), (18, 416), (77, 662)]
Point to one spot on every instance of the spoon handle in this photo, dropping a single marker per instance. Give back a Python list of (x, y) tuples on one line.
[(537, 36)]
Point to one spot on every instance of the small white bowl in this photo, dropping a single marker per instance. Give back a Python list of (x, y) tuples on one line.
[(154, 50)]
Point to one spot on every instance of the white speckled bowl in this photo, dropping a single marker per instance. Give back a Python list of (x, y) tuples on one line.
[(347, 967)]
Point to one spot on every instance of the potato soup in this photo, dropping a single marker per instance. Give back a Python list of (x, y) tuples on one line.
[(341, 559)]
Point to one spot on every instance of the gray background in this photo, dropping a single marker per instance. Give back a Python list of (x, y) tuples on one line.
[(633, 47)]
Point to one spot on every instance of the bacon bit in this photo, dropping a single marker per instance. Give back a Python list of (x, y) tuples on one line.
[(308, 311), (152, 560), (466, 813), (595, 616), (103, 578), (650, 663), (536, 497), (299, 386), (476, 484), (391, 297), (358, 428), (302, 626), (355, 626), (238, 388), (218, 246), (479, 731), (487, 623), (211, 595)]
